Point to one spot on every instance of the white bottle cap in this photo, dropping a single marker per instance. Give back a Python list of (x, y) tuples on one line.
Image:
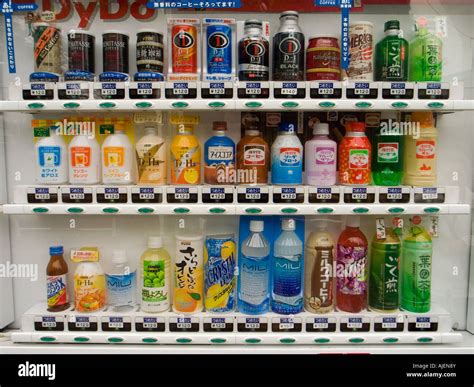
[(119, 256), (321, 224), (150, 130), (155, 242), (321, 129), (353, 221), (256, 225), (288, 224)]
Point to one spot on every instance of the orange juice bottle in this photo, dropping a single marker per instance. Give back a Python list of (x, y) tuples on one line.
[(420, 151), (185, 157)]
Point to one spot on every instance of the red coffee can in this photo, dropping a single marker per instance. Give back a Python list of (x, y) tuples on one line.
[(323, 59), (184, 51)]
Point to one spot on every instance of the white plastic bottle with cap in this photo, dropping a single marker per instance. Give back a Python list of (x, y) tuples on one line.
[(321, 158), (254, 272), (155, 277), (51, 159), (121, 283), (84, 160), (117, 158)]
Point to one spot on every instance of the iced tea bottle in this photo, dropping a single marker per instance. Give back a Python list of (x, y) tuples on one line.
[(56, 273), (253, 158)]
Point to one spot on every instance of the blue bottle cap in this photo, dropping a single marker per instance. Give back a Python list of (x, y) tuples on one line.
[(287, 127), (56, 250)]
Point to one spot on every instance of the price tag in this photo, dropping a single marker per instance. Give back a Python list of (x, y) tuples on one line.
[(184, 324), (433, 90), (73, 90), (150, 324), (182, 194), (109, 90), (49, 323), (116, 323), (252, 324), (394, 194), (76, 194), (252, 194), (187, 90), (423, 323), (112, 195), (359, 195), (144, 90), (288, 195), (38, 90), (429, 195), (321, 324), (217, 90), (325, 90), (324, 195), (217, 194), (289, 89), (389, 323), (398, 90), (218, 324), (42, 194), (286, 324), (82, 323), (355, 324), (147, 195), (362, 90), (253, 90)]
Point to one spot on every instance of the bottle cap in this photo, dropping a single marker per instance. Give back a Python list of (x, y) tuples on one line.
[(287, 127), (321, 224), (253, 132), (119, 127), (288, 224), (424, 118), (253, 23), (389, 115), (155, 242), (289, 13), (56, 250), (119, 256), (321, 129), (219, 125), (256, 225), (392, 25), (352, 221), (356, 127), (150, 130)]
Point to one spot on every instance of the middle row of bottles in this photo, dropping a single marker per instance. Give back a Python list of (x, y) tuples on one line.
[(274, 269), (390, 156)]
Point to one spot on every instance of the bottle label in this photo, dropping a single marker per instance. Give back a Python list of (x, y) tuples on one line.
[(395, 58), (351, 269), (80, 157), (151, 163), (154, 286), (358, 158), (287, 280), (432, 55), (56, 286), (290, 157), (114, 156), (254, 155), (49, 156), (254, 280), (253, 59), (384, 274), (89, 292), (425, 149), (319, 293), (387, 152), (120, 289), (325, 156), (220, 154)]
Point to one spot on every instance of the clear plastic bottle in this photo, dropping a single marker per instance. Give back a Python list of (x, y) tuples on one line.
[(287, 284), (254, 272), (121, 283)]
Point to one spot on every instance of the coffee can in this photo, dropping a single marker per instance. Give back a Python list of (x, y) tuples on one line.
[(361, 66), (115, 51), (150, 51), (81, 51), (323, 59), (184, 48), (219, 49), (47, 46)]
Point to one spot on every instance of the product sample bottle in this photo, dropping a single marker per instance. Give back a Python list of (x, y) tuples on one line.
[(254, 53), (288, 49), (51, 159), (253, 158), (355, 153), (415, 268), (219, 157), (84, 160), (287, 157), (320, 158), (56, 280), (387, 160), (420, 152), (254, 272), (185, 156), (351, 268), (426, 55), (117, 158), (151, 154), (318, 269), (384, 275), (287, 276), (89, 287), (391, 55), (155, 277), (121, 283)]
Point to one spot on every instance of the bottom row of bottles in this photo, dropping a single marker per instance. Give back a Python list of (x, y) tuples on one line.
[(275, 269)]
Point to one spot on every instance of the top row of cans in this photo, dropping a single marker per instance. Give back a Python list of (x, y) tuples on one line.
[(218, 60)]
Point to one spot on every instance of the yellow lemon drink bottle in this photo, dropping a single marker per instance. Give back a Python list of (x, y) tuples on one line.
[(219, 274), (185, 157)]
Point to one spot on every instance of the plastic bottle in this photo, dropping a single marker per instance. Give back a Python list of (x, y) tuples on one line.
[(185, 156), (426, 55), (253, 158), (355, 154), (415, 268), (391, 55), (287, 277), (56, 280), (151, 156), (351, 268), (121, 283), (254, 272), (287, 156), (387, 161), (51, 159), (219, 156), (117, 158), (420, 152), (155, 277), (89, 287), (320, 158), (318, 269), (84, 160)]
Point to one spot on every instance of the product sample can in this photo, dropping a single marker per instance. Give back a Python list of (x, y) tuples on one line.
[(188, 274), (323, 59), (219, 273), (219, 49), (115, 52), (150, 51), (184, 51), (361, 35), (81, 54), (47, 41)]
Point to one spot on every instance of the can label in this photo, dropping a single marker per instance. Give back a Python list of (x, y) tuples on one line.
[(323, 59), (383, 281), (219, 272), (47, 41), (149, 52), (184, 49), (115, 52), (219, 49), (358, 158), (56, 286), (288, 56), (387, 152), (253, 59), (81, 52), (361, 52)]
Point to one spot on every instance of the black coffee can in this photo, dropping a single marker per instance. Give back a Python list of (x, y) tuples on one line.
[(115, 52), (150, 51), (81, 51)]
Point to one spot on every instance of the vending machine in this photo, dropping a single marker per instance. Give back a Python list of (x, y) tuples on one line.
[(236, 177)]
